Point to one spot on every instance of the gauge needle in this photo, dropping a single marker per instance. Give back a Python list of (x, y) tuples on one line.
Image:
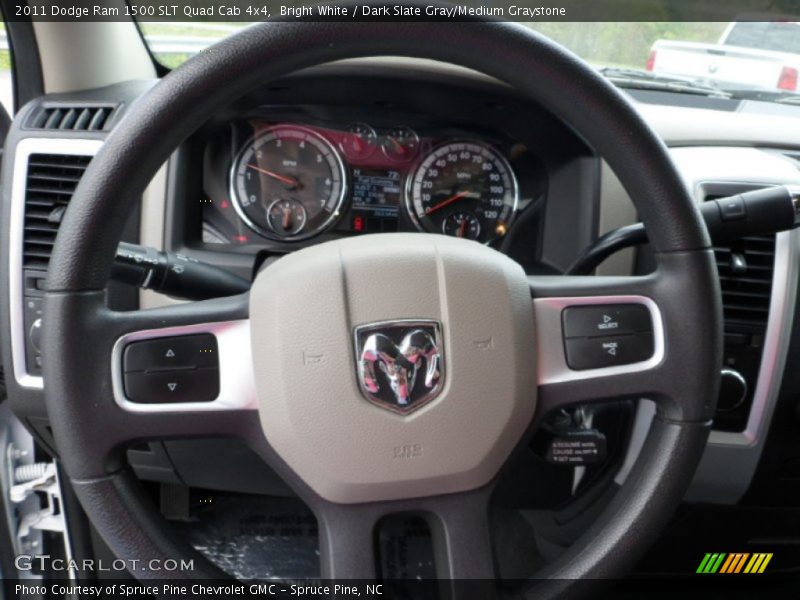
[(398, 146), (282, 178), (287, 217), (462, 229), (449, 201)]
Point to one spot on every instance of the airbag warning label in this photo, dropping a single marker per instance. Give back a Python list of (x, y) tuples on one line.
[(578, 449)]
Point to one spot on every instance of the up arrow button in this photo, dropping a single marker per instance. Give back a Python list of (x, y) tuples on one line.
[(197, 351)]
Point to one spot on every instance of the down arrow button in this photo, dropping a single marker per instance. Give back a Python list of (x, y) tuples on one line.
[(161, 387)]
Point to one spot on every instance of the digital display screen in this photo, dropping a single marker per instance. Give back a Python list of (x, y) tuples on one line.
[(377, 192), (376, 200)]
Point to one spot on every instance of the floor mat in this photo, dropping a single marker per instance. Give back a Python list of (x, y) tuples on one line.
[(256, 537)]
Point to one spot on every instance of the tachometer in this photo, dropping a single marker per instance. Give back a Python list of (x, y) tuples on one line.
[(288, 183), (465, 189)]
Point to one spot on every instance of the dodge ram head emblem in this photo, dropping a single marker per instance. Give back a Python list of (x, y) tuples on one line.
[(400, 364)]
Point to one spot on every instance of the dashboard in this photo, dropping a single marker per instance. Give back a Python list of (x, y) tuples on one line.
[(290, 182), (273, 183), (301, 163)]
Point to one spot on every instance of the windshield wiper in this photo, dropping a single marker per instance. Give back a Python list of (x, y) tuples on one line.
[(776, 96), (788, 99), (646, 80), (768, 96)]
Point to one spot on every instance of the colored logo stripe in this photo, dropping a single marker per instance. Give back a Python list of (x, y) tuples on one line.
[(758, 563), (711, 563), (736, 562)]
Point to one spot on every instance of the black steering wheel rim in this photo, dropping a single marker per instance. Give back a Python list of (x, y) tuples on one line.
[(182, 101)]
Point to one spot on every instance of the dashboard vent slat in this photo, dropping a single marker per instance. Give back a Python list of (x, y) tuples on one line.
[(53, 120), (746, 282), (72, 118), (100, 119), (50, 183)]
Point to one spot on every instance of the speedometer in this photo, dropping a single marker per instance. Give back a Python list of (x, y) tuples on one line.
[(464, 189), (288, 183)]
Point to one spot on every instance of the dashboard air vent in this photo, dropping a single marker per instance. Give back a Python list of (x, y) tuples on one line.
[(72, 118), (50, 183), (745, 272)]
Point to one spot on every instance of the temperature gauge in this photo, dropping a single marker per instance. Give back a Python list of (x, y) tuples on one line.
[(401, 144), (286, 217), (462, 224)]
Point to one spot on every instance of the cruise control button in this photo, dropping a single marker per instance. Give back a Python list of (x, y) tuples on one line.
[(187, 351), (612, 319), (161, 387), (609, 351)]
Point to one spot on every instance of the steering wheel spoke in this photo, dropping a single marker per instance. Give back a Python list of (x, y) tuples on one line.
[(136, 406), (462, 544), (606, 338), (597, 339), (349, 540)]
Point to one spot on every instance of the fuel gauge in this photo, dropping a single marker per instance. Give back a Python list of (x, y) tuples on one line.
[(359, 141)]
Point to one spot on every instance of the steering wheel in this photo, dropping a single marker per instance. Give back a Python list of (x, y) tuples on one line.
[(295, 385)]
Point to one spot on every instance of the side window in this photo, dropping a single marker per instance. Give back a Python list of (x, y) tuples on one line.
[(174, 43), (6, 81), (6, 86)]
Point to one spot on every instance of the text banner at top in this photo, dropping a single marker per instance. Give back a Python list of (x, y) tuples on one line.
[(215, 11)]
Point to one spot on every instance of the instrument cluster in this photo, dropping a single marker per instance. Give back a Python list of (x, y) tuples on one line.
[(290, 182)]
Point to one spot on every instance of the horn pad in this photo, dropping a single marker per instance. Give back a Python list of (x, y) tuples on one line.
[(393, 365)]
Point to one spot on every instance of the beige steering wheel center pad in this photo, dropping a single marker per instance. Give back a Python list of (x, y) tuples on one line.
[(304, 310)]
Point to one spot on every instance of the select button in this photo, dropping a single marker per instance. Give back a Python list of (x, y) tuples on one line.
[(604, 320), (608, 351)]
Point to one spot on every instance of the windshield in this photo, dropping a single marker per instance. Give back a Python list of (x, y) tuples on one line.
[(748, 59)]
